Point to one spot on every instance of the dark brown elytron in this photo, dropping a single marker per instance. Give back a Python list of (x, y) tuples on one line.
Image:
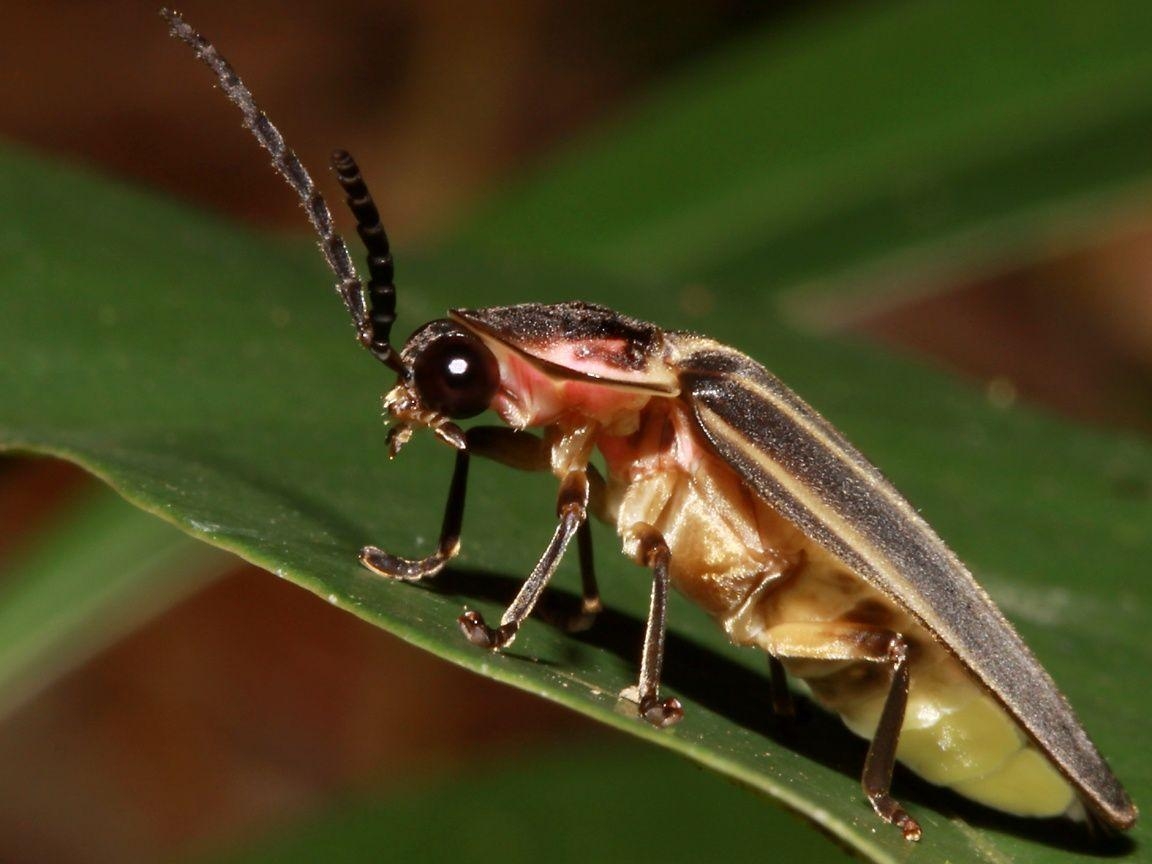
[(727, 486)]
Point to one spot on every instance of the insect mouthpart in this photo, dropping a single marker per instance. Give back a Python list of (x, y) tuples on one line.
[(448, 374), (453, 372)]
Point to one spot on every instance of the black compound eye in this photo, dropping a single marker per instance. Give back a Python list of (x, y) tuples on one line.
[(456, 375)]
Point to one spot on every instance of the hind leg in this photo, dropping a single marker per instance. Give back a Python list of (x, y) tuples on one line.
[(843, 641)]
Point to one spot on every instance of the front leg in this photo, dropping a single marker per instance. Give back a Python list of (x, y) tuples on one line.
[(518, 449), (413, 570)]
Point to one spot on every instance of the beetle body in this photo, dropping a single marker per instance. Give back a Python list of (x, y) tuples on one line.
[(728, 487), (770, 586), (765, 581)]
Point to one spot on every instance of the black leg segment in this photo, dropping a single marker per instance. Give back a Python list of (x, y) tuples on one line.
[(412, 570), (518, 449), (590, 605)]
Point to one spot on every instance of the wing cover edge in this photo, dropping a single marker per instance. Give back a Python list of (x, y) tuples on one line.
[(803, 467)]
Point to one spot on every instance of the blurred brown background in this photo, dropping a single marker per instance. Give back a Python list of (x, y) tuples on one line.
[(252, 702)]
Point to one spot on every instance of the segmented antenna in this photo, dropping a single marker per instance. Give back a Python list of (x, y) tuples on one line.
[(381, 288), (373, 330)]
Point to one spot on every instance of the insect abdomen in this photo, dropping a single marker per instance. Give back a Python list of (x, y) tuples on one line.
[(758, 576), (955, 733)]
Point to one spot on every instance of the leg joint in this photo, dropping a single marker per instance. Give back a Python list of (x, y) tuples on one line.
[(572, 502), (651, 547)]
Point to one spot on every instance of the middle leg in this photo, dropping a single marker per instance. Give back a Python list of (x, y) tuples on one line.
[(654, 554), (572, 509)]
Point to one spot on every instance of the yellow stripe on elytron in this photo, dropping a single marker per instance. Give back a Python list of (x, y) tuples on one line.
[(817, 432), (802, 492)]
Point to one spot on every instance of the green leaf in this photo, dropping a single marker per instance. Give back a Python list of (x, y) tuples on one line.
[(97, 571), (608, 804), (852, 147), (208, 376)]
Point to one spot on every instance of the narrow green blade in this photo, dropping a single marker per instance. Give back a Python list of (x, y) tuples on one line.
[(211, 378)]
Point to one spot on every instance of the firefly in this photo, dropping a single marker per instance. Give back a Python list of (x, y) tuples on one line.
[(725, 485)]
